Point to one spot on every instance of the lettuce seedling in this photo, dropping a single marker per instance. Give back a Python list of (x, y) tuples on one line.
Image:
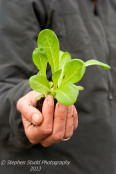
[(65, 71)]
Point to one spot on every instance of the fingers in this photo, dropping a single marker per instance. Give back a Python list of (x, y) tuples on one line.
[(60, 119), (65, 122), (48, 112), (69, 123), (75, 118), (25, 107), (32, 114), (54, 127), (58, 126), (36, 133), (31, 98)]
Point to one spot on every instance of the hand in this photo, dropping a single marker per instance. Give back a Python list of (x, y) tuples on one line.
[(49, 126)]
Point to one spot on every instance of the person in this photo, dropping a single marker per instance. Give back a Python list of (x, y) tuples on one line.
[(31, 140)]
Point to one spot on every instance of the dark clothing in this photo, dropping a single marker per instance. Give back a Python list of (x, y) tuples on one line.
[(85, 32)]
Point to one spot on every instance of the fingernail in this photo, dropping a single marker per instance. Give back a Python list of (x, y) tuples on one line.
[(62, 107), (69, 108), (50, 101), (36, 119)]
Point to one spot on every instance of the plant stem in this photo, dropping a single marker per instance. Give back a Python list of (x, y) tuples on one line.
[(53, 93)]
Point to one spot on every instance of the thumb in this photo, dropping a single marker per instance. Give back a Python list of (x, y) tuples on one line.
[(30, 113)]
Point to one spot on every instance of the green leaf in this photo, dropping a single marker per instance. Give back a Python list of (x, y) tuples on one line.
[(60, 54), (39, 96), (73, 71), (51, 84), (67, 94), (49, 42), (66, 57), (80, 88), (39, 73), (39, 84), (40, 60), (55, 78), (96, 62)]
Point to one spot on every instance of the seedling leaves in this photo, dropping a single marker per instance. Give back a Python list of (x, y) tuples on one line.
[(80, 88), (67, 94), (73, 71), (66, 57), (96, 62), (65, 72), (39, 84), (55, 78), (40, 60), (49, 42), (60, 54)]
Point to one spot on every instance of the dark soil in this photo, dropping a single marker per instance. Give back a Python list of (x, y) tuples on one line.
[(40, 104)]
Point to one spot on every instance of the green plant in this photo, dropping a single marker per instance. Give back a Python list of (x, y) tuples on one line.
[(65, 72)]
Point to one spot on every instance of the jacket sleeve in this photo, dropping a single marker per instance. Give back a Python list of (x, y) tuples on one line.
[(20, 23)]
